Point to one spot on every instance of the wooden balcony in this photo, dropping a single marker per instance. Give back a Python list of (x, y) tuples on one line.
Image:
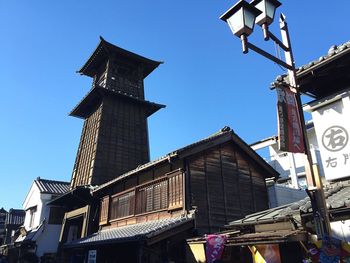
[(157, 199)]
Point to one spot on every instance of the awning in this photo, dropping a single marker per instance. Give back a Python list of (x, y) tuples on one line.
[(272, 237), (79, 196), (31, 235), (150, 231)]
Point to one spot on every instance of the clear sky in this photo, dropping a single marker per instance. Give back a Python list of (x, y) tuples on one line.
[(205, 81)]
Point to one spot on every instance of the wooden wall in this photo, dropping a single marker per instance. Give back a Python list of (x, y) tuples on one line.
[(86, 153), (114, 139), (122, 141), (225, 184), (126, 78)]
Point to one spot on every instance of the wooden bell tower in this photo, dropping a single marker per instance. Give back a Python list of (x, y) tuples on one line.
[(114, 139)]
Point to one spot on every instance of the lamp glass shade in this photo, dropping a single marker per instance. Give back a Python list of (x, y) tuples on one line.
[(249, 19), (236, 22), (270, 9), (267, 8), (241, 18), (242, 22)]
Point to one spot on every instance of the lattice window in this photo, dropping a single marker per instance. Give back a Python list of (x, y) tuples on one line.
[(152, 197), (104, 210), (175, 190), (161, 194), (123, 205)]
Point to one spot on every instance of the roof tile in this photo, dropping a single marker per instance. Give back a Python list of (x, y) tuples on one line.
[(52, 187), (130, 232), (337, 196)]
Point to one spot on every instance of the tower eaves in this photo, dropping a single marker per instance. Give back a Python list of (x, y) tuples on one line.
[(104, 50)]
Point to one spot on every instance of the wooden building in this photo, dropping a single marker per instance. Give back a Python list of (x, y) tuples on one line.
[(114, 139), (3, 214), (42, 223), (14, 219), (123, 207), (288, 233), (152, 209)]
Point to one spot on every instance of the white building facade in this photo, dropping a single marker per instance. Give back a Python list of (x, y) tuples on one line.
[(331, 116), (42, 224), (326, 81), (290, 166)]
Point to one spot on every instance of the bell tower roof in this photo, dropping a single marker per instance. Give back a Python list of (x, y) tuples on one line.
[(89, 103), (106, 50)]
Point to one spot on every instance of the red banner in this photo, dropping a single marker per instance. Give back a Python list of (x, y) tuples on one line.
[(290, 135), (215, 247)]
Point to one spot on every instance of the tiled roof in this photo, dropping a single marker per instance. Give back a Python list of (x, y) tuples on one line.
[(223, 135), (95, 95), (105, 49), (3, 211), (131, 232), (337, 196), (335, 52), (52, 187)]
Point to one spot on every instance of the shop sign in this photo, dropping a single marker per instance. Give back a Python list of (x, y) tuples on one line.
[(290, 135), (332, 128), (214, 247), (92, 256)]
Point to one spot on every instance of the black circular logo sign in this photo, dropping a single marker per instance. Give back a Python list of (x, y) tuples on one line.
[(335, 138)]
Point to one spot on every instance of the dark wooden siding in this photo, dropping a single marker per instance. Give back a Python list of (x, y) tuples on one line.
[(84, 162), (114, 140), (122, 77), (160, 198), (198, 194), (115, 136), (225, 185), (137, 179), (123, 140), (104, 207)]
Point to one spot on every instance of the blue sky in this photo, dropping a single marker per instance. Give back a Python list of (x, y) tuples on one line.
[(205, 81)]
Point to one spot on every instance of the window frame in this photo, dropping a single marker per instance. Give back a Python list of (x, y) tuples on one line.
[(56, 221), (118, 195), (175, 177)]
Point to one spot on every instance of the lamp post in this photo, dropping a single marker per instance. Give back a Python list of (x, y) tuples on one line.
[(241, 18)]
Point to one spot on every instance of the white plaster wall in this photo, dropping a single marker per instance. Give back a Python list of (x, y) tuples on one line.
[(32, 199), (336, 113), (341, 230), (48, 239), (282, 195), (48, 235), (45, 212), (282, 161)]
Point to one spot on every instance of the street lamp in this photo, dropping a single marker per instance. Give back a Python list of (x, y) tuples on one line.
[(267, 8), (239, 18)]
